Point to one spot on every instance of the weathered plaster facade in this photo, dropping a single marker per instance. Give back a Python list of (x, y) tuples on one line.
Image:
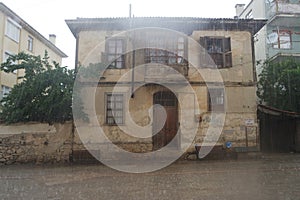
[(239, 80)]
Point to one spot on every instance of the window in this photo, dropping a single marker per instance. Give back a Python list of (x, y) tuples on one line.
[(216, 99), (30, 44), (4, 91), (114, 52), (114, 109), (219, 49), (249, 15), (284, 40), (6, 56), (166, 52), (13, 30)]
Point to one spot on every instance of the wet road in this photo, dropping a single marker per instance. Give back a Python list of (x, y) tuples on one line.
[(272, 177)]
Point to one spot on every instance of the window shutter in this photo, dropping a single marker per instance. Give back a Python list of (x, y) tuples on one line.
[(202, 42), (227, 45)]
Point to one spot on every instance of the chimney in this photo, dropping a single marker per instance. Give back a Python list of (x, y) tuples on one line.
[(239, 8), (52, 38)]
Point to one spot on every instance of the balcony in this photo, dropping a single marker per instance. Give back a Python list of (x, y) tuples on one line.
[(279, 57), (282, 13), (165, 74)]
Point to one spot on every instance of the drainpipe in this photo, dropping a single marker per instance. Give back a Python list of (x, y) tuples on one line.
[(76, 53), (253, 59), (133, 56), (132, 74), (73, 124)]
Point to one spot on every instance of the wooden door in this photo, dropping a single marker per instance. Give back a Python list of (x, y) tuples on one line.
[(169, 130)]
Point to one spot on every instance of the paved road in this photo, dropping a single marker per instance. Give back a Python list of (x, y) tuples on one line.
[(272, 177)]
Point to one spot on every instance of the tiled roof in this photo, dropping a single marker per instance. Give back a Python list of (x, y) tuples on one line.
[(182, 24)]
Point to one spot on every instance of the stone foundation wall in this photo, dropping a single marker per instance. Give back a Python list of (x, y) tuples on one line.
[(240, 129), (35, 143), (41, 143), (92, 138)]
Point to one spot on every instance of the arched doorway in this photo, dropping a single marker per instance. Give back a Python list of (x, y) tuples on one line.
[(162, 137)]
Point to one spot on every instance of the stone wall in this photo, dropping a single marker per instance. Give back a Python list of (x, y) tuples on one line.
[(240, 129), (35, 143), (43, 143)]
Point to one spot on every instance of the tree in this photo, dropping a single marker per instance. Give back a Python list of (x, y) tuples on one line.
[(279, 84), (44, 95)]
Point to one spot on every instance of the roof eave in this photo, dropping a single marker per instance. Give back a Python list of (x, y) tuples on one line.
[(80, 24)]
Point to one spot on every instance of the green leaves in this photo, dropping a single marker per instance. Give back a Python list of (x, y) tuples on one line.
[(44, 95), (279, 85)]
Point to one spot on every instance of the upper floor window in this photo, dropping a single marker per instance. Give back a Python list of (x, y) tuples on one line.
[(216, 99), (284, 40), (6, 56), (12, 30), (170, 52), (115, 53), (30, 44), (249, 15), (219, 48)]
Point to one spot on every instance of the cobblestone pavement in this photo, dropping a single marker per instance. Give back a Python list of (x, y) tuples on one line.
[(271, 177)]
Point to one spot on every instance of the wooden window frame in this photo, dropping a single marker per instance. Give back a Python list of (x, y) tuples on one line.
[(219, 49), (118, 58), (168, 54)]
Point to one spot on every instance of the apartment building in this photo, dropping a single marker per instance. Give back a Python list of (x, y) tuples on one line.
[(17, 36), (280, 38)]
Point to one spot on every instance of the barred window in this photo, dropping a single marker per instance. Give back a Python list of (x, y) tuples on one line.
[(114, 109)]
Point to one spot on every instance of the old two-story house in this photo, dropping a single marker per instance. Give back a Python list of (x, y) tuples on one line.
[(17, 36), (168, 81)]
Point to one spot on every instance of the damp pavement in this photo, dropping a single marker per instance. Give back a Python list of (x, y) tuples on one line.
[(274, 176)]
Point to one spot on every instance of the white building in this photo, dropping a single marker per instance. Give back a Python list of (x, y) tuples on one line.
[(280, 38)]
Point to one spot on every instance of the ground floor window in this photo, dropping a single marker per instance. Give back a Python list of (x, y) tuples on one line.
[(114, 109), (216, 100)]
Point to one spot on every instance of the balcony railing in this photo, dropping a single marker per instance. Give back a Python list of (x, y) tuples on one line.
[(158, 72), (279, 7)]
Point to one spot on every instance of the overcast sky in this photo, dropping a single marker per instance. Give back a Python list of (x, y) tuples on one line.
[(48, 16)]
